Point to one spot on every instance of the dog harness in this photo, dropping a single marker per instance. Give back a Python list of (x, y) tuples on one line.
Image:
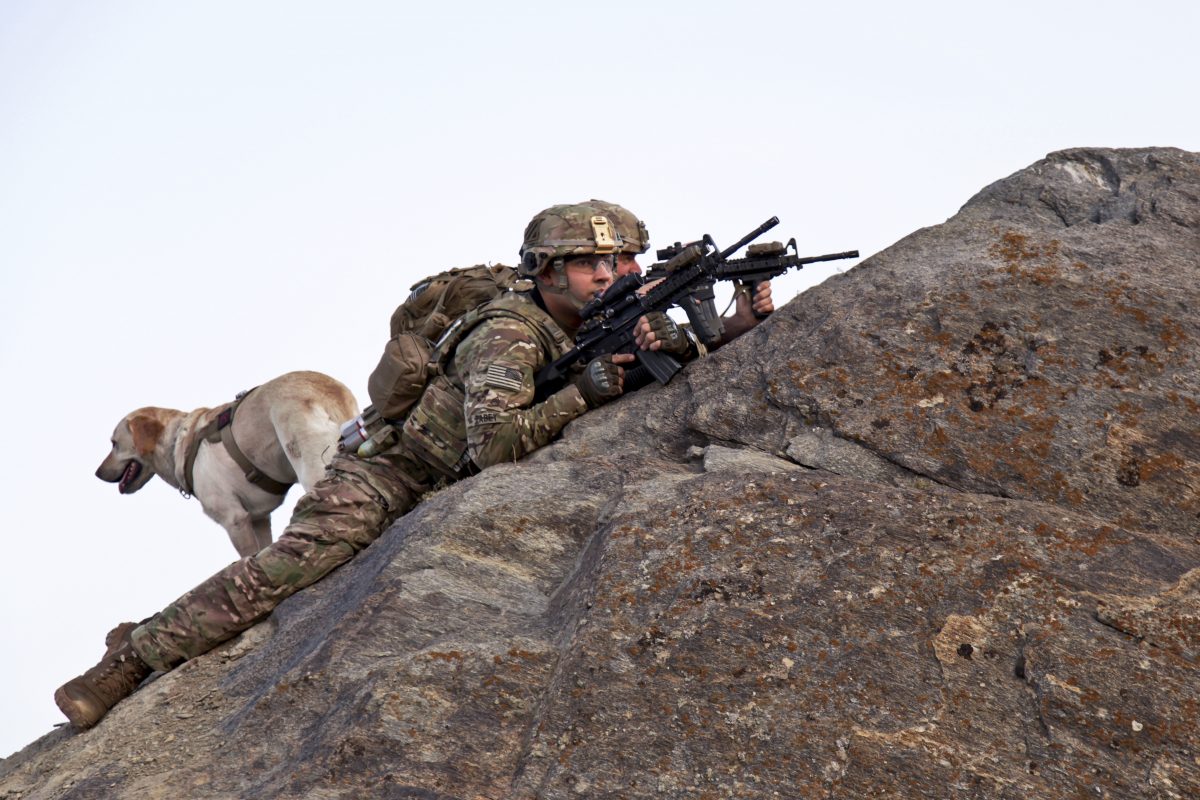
[(220, 429)]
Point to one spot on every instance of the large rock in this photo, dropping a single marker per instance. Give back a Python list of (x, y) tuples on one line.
[(929, 531)]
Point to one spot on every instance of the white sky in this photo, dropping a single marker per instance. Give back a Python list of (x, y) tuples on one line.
[(197, 197)]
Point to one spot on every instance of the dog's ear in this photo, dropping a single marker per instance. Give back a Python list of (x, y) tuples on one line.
[(146, 431)]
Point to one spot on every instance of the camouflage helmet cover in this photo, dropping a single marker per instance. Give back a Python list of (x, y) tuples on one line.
[(580, 229)]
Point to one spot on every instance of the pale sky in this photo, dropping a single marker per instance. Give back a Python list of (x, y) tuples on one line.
[(198, 197)]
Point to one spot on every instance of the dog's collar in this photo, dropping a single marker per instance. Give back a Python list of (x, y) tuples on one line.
[(186, 446)]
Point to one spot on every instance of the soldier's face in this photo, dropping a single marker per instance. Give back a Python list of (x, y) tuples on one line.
[(588, 276), (627, 265)]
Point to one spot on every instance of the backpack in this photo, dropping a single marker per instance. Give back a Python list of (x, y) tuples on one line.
[(417, 324)]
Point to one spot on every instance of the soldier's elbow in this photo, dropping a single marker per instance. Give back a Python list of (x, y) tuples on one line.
[(484, 454)]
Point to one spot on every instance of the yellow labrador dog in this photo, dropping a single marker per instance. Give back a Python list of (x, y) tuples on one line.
[(238, 459)]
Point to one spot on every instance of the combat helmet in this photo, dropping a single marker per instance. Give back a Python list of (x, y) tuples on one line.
[(579, 229)]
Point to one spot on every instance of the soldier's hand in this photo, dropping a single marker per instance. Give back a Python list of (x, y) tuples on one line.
[(760, 304), (657, 331), (603, 379)]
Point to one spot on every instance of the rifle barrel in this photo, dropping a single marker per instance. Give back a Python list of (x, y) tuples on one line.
[(750, 237), (829, 257)]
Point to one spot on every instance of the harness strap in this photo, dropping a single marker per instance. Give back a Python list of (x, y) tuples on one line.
[(198, 436), (220, 429), (551, 338)]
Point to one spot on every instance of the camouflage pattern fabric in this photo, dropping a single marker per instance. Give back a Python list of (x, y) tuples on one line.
[(568, 230), (345, 511), (480, 413)]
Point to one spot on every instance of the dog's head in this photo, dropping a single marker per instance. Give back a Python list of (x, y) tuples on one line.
[(130, 462)]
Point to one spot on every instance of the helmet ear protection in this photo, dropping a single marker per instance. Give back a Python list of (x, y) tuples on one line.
[(532, 263)]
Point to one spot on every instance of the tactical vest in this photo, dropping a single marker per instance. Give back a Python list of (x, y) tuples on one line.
[(436, 430)]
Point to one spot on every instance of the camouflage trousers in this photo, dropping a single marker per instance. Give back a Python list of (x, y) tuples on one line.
[(347, 510)]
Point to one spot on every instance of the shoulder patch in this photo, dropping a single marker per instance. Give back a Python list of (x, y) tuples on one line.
[(499, 376)]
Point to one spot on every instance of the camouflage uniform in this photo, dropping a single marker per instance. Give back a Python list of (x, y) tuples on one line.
[(479, 411)]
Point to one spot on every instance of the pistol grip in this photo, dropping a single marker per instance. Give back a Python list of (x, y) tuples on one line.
[(751, 288)]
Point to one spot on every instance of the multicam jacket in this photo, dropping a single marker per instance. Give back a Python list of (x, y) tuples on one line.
[(480, 410)]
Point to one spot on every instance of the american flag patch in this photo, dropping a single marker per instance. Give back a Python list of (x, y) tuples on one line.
[(502, 377)]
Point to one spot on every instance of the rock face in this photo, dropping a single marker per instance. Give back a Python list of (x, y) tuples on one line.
[(929, 531)]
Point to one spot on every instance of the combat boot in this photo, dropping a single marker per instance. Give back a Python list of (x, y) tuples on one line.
[(86, 699), (114, 638)]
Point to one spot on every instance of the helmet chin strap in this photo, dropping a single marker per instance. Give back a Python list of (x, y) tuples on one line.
[(561, 287), (559, 284)]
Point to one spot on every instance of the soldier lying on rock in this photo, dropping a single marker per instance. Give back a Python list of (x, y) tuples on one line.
[(481, 411)]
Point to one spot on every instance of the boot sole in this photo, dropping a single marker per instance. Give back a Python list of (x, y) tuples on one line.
[(76, 710)]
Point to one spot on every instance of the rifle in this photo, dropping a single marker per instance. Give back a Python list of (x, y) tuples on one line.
[(685, 279), (761, 263)]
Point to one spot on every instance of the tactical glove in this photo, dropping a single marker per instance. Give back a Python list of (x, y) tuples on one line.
[(600, 382), (666, 331)]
